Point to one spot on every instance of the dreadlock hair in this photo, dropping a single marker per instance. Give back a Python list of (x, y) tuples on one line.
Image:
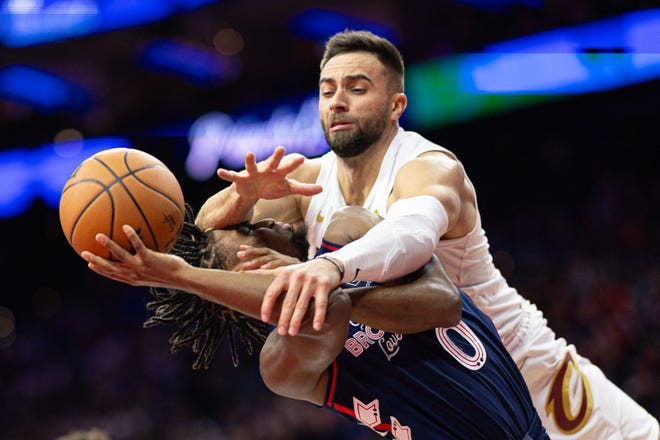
[(199, 322)]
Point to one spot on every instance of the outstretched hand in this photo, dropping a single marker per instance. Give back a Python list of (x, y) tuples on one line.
[(144, 268), (267, 179), (300, 283)]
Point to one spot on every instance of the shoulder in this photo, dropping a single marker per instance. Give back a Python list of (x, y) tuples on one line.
[(442, 164)]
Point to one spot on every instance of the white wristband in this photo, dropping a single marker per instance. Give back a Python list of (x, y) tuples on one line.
[(400, 244)]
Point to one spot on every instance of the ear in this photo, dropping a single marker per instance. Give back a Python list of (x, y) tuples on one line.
[(399, 103)]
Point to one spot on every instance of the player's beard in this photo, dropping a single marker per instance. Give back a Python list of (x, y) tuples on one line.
[(352, 143)]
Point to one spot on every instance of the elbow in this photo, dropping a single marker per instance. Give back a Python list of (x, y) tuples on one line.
[(451, 312), (274, 381), (276, 374), (269, 369)]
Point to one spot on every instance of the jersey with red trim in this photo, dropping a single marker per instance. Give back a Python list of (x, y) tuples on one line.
[(446, 383)]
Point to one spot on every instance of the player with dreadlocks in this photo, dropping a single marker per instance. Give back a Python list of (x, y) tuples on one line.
[(201, 323), (442, 373)]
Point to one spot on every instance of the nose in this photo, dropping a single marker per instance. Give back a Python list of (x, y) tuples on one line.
[(338, 102)]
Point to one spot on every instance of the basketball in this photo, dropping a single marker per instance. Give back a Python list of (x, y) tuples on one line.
[(116, 187)]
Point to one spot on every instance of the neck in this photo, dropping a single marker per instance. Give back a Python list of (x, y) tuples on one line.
[(357, 174)]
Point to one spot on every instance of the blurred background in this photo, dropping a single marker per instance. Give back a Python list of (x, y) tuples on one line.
[(552, 106)]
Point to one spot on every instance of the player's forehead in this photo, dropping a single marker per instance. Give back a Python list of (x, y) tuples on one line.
[(352, 65)]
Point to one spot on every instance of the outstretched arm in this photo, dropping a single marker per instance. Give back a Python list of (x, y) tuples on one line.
[(291, 366), (273, 180), (239, 291)]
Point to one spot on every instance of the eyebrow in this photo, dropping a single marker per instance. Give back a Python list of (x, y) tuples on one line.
[(354, 77)]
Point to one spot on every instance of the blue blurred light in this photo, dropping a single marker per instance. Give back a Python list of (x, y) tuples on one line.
[(318, 25), (597, 56), (26, 174), (550, 74), (217, 137), (29, 22), (634, 32), (500, 5), (195, 64), (40, 89)]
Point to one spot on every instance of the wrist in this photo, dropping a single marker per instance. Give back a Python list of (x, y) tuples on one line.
[(243, 200), (338, 264)]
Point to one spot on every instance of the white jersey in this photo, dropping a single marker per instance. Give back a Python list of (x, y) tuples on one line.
[(587, 411)]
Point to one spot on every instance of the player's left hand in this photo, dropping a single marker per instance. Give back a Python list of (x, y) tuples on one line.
[(268, 179), (143, 268), (300, 283)]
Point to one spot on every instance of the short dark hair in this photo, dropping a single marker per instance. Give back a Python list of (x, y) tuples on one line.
[(200, 323), (350, 41)]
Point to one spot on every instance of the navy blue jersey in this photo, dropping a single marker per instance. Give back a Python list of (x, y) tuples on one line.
[(446, 383)]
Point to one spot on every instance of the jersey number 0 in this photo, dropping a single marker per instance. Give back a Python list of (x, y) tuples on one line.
[(472, 361)]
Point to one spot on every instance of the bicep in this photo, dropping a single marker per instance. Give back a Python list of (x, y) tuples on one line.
[(434, 174)]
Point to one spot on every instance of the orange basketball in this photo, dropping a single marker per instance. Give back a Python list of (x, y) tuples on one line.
[(116, 187)]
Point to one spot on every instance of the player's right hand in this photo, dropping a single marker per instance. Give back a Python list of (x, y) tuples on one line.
[(142, 268), (300, 284), (268, 179)]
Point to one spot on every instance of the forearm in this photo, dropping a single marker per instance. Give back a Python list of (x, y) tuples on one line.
[(400, 244), (430, 301), (225, 208), (238, 291)]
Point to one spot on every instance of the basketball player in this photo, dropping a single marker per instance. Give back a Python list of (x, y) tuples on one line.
[(430, 206), (454, 382)]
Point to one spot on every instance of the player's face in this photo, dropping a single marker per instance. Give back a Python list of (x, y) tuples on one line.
[(280, 237), (354, 102)]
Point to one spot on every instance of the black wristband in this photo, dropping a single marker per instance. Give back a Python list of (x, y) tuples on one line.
[(336, 263)]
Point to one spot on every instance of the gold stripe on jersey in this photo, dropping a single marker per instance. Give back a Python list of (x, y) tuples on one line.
[(558, 403)]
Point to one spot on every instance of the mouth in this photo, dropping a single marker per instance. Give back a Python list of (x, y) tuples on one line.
[(340, 124)]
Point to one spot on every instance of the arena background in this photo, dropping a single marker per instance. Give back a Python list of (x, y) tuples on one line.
[(566, 176)]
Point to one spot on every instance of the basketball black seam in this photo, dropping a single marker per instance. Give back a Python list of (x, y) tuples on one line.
[(120, 180), (104, 189), (154, 189), (157, 191)]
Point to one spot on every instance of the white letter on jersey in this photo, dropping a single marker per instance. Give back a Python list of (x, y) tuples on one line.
[(399, 431), (369, 414)]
